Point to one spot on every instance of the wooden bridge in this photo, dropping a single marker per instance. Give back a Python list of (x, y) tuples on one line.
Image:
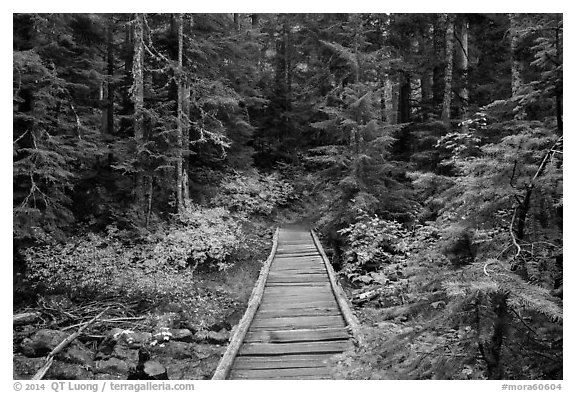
[(297, 317)]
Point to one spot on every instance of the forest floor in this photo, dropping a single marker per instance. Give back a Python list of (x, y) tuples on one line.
[(185, 337)]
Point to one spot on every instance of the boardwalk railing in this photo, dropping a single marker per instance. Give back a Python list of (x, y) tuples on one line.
[(297, 317)]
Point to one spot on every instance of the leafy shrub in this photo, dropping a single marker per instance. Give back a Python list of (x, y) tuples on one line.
[(372, 240), (200, 235), (256, 194), (103, 265)]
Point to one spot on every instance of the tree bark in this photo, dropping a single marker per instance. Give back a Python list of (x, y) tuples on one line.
[(463, 69), (404, 108), (127, 109), (516, 80), (395, 99), (110, 72), (357, 38), (383, 116), (426, 77), (558, 91), (438, 64), (180, 116), (283, 73), (426, 85), (138, 98), (447, 101), (186, 146)]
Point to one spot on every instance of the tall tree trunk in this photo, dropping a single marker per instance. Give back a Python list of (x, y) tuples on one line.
[(382, 77), (463, 69), (288, 60), (110, 72), (438, 38), (127, 108), (404, 108), (357, 38), (516, 80), (383, 116), (180, 117), (426, 78), (186, 145), (283, 73), (395, 99), (447, 101), (558, 90), (138, 98), (186, 133), (426, 85)]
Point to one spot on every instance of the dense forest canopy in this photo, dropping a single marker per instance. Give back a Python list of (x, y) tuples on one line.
[(426, 148)]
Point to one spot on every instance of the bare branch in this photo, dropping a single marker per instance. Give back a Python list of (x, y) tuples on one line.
[(512, 235)]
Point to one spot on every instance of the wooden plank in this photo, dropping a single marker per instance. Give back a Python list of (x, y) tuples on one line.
[(331, 306), (283, 361), (296, 254), (293, 267), (296, 279), (298, 273), (306, 246), (315, 372), (296, 269), (314, 277), (305, 286), (282, 302), (306, 347), (304, 267), (321, 292), (286, 259), (233, 348), (299, 378), (297, 289), (281, 299), (298, 284), (266, 306), (286, 336), (300, 312), (296, 260), (297, 322), (321, 358), (284, 296)]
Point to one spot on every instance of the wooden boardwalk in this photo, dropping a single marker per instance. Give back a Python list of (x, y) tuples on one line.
[(297, 317)]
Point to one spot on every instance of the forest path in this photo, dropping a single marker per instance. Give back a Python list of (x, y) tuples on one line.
[(300, 320)]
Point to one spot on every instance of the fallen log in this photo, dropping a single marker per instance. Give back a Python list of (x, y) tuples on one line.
[(50, 358), (26, 318), (365, 296)]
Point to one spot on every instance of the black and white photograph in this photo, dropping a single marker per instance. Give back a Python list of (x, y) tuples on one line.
[(287, 196)]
